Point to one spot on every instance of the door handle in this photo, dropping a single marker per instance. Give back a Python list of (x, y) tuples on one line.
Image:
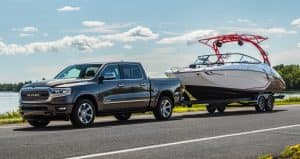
[(143, 84), (121, 85)]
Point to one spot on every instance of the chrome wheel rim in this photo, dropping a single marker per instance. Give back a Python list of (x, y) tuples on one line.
[(166, 108), (270, 103), (85, 113), (261, 103)]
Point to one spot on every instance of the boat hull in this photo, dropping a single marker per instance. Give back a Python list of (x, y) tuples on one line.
[(213, 93), (236, 81)]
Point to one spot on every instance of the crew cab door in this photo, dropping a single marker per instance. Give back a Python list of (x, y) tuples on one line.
[(109, 94), (134, 87)]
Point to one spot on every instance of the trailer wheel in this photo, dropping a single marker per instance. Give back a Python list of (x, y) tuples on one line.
[(211, 108), (261, 104), (270, 103), (221, 108)]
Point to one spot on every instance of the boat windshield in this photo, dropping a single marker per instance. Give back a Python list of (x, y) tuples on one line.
[(227, 58)]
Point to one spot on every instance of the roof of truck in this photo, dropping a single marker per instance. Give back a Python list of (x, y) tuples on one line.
[(108, 62)]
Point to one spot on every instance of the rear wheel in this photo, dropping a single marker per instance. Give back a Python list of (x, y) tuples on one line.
[(83, 113), (164, 109), (261, 104), (211, 108), (39, 123), (122, 116), (270, 103)]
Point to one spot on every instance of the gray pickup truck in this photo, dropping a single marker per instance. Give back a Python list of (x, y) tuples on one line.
[(81, 92)]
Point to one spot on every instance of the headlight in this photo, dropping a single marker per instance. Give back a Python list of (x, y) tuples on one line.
[(58, 92)]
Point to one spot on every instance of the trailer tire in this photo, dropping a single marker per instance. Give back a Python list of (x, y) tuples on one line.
[(261, 104), (269, 103), (211, 108), (221, 108)]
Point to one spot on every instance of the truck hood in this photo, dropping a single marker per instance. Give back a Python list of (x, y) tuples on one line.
[(58, 83)]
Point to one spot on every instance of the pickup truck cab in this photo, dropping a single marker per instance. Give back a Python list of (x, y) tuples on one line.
[(82, 91)]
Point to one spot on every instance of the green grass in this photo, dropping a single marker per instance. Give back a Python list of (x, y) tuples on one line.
[(11, 117), (290, 152), (291, 100), (15, 116), (196, 107)]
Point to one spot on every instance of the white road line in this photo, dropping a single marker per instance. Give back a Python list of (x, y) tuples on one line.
[(13, 126), (180, 142)]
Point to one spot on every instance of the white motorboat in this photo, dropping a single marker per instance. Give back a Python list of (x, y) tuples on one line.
[(229, 75)]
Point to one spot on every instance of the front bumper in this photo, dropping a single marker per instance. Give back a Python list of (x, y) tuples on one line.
[(46, 111)]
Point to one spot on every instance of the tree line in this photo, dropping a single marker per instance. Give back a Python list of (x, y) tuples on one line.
[(12, 87), (290, 74)]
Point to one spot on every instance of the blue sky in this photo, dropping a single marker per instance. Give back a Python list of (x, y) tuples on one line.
[(38, 38)]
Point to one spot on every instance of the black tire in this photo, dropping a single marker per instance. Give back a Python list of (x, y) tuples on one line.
[(122, 116), (83, 113), (261, 104), (163, 109), (39, 123), (269, 103), (221, 108), (211, 108)]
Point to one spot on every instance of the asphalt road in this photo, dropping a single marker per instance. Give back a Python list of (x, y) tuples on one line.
[(238, 133)]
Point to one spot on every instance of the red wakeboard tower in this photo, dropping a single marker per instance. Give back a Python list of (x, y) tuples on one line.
[(217, 41)]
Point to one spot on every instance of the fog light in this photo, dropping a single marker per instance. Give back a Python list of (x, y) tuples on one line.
[(61, 108)]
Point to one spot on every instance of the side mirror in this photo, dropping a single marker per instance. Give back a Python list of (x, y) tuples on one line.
[(107, 76)]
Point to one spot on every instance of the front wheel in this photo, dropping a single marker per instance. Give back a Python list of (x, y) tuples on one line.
[(83, 113), (122, 116), (164, 109), (39, 123)]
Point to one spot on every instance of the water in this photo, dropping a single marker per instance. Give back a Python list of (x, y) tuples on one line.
[(9, 101)]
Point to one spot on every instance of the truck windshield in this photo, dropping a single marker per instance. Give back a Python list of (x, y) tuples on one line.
[(83, 71)]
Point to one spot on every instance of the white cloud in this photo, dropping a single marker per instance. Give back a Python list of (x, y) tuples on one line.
[(187, 37), (134, 34), (246, 21), (68, 9), (272, 30), (28, 29), (92, 23), (79, 42), (24, 35), (127, 46), (101, 27), (285, 57), (298, 44), (296, 22), (45, 34)]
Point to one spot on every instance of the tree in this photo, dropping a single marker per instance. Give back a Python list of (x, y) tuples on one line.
[(290, 74)]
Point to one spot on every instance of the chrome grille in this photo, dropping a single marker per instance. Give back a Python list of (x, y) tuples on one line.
[(34, 94)]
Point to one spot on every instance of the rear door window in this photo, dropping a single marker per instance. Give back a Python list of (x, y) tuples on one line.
[(131, 71)]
